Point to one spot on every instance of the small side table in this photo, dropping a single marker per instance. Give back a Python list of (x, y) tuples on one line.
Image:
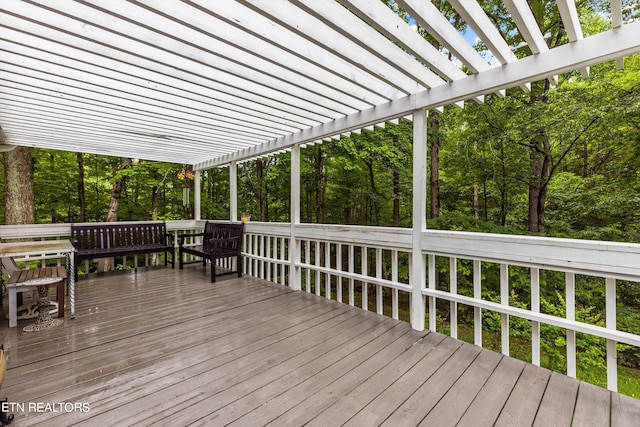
[(24, 251), (44, 320)]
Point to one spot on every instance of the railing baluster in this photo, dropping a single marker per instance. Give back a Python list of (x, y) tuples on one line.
[(432, 285), (535, 307), (379, 300), (307, 245), (351, 280), (477, 311), (268, 257), (453, 289), (327, 263), (570, 283), (504, 300), (394, 291), (339, 268), (261, 261), (318, 255), (282, 257), (611, 323), (250, 251), (365, 272)]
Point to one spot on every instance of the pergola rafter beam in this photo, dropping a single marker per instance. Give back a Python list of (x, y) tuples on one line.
[(571, 22)]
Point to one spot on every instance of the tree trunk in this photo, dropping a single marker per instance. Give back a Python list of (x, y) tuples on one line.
[(434, 172), (82, 202), (503, 186), (540, 158), (19, 206), (375, 206), (396, 188), (538, 181), (319, 166), (476, 203), (263, 204), (114, 203), (116, 192)]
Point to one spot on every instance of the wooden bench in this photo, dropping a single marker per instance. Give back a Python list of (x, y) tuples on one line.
[(219, 241), (107, 240)]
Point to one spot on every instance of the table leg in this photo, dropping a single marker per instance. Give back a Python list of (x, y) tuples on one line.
[(43, 304), (44, 320)]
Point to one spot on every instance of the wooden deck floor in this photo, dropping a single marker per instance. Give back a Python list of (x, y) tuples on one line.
[(166, 347)]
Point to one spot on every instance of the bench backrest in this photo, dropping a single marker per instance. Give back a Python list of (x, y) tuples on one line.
[(102, 236), (232, 232)]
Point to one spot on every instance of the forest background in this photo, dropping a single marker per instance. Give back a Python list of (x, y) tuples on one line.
[(562, 160)]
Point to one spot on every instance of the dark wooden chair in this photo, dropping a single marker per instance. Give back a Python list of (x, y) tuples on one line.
[(219, 241)]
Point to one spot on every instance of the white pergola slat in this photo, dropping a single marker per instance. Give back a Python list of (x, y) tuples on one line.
[(207, 83), (439, 27)]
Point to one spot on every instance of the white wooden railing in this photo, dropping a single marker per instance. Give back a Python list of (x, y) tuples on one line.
[(348, 263)]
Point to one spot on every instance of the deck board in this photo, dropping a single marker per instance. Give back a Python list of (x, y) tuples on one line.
[(162, 346)]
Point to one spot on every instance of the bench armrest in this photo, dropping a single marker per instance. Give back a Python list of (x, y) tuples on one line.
[(184, 236), (170, 238)]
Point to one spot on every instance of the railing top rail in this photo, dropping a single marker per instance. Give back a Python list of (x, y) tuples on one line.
[(605, 259)]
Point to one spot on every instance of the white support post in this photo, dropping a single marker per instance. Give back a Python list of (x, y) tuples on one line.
[(535, 307), (233, 191), (294, 244), (611, 323), (197, 205), (419, 218)]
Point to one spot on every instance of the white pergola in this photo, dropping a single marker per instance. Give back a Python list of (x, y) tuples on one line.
[(210, 82)]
